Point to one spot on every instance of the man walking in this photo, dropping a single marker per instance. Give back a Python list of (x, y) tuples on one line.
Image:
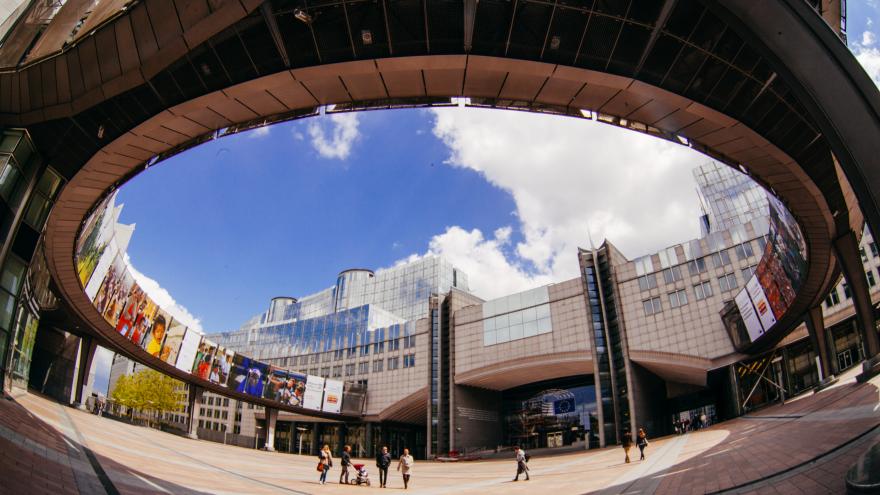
[(383, 460), (346, 461), (522, 465)]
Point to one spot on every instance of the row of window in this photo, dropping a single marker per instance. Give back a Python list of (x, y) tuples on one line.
[(409, 342), (834, 297), (210, 401), (697, 266), (211, 425), (702, 291), (363, 367), (217, 413)]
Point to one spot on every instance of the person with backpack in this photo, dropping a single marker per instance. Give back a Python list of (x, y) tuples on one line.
[(346, 462), (404, 465), (383, 461), (325, 463), (642, 442), (522, 463)]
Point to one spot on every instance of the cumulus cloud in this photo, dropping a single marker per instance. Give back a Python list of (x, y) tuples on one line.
[(101, 364), (163, 298), (868, 54), (337, 141), (571, 180), (259, 132)]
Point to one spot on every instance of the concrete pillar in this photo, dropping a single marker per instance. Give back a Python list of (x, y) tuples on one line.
[(818, 338), (195, 407), (316, 437), (291, 447), (368, 440), (846, 249), (343, 432), (271, 419), (87, 348)]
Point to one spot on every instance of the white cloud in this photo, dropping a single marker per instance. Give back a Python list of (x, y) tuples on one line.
[(101, 364), (868, 55), (259, 132), (343, 134), (161, 297), (570, 179)]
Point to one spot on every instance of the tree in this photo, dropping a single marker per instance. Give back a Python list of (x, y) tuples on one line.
[(151, 392)]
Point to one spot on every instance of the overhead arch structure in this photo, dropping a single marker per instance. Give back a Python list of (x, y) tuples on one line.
[(768, 87)]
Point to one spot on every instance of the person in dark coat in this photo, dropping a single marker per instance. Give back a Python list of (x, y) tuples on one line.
[(642, 442), (626, 442), (383, 460), (346, 461)]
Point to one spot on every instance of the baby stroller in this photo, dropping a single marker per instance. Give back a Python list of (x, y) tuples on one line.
[(363, 477)]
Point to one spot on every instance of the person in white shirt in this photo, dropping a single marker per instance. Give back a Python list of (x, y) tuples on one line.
[(404, 465), (522, 465)]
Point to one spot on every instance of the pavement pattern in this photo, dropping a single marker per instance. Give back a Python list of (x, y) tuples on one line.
[(804, 446)]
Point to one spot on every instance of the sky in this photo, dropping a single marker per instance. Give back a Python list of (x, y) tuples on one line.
[(506, 196)]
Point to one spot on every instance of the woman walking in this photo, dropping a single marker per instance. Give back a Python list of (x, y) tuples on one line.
[(406, 462), (626, 442), (325, 463), (642, 442)]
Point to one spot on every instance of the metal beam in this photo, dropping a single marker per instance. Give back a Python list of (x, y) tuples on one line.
[(470, 16), (658, 26), (387, 27), (269, 17)]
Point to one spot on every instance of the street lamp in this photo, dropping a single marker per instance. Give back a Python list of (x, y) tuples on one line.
[(301, 430)]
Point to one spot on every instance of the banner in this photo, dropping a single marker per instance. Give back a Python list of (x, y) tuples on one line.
[(314, 392), (188, 348), (749, 316), (762, 306), (332, 396)]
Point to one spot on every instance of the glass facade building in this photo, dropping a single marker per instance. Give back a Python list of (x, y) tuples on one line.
[(728, 198)]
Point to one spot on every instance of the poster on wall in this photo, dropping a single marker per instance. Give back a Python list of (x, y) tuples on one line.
[(314, 392), (332, 396), (762, 306), (101, 269), (749, 316), (94, 240), (276, 385), (296, 384), (221, 366), (188, 349), (204, 357), (155, 333), (173, 341), (114, 292), (247, 375)]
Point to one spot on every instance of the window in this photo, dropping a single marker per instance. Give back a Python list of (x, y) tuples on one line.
[(365, 350), (697, 266), (325, 372), (349, 369), (748, 271), (393, 363), (727, 282), (672, 274), (409, 341), (377, 365), (225, 415), (846, 292), (652, 306), (363, 367), (762, 242), (721, 258), (409, 360), (744, 250), (833, 298), (874, 251), (863, 254), (337, 371), (210, 401), (647, 282), (870, 275), (313, 371), (702, 290), (678, 298), (314, 358), (226, 402)]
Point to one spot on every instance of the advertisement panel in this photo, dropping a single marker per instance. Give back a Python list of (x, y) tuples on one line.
[(296, 384), (332, 396), (749, 316), (188, 349), (221, 366), (100, 271), (314, 392), (276, 385), (154, 338), (760, 302), (94, 240), (204, 358), (173, 341)]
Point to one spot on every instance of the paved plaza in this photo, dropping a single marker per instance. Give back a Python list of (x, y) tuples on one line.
[(804, 446)]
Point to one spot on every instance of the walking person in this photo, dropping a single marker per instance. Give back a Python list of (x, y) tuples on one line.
[(522, 463), (383, 461), (642, 442), (325, 463), (626, 442), (404, 465), (704, 421), (346, 462)]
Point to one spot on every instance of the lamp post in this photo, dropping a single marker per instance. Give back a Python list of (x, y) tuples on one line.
[(301, 430)]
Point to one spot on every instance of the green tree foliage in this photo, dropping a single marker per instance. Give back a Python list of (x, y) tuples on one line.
[(151, 392)]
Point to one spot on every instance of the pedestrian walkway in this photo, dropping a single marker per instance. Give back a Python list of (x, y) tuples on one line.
[(801, 447)]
